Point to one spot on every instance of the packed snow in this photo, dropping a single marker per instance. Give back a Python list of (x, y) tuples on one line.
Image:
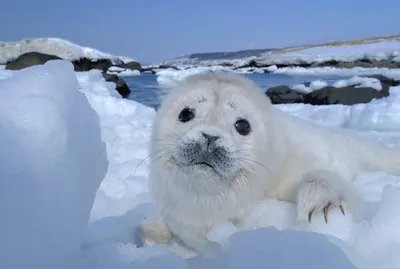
[(53, 161), (55, 46)]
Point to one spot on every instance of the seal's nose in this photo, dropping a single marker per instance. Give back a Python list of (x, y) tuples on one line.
[(210, 139)]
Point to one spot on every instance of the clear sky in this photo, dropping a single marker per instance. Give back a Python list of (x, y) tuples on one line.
[(155, 30)]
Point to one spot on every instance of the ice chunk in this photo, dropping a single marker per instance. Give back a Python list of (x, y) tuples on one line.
[(52, 161)]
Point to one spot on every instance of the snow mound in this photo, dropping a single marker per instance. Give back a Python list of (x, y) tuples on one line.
[(314, 85), (360, 82), (55, 46), (52, 161)]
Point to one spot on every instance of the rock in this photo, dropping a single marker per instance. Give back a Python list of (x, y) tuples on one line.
[(165, 66), (345, 96), (85, 64), (284, 95), (131, 65), (366, 63), (330, 95), (121, 85), (30, 59)]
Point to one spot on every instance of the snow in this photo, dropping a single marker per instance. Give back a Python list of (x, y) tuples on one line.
[(314, 85), (359, 82), (168, 78), (250, 70), (122, 71), (47, 132), (333, 71), (375, 50), (52, 161), (55, 46), (115, 69), (381, 50), (317, 84)]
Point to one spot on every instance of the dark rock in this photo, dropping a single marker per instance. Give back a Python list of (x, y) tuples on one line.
[(30, 59), (131, 65), (366, 63), (121, 85), (85, 64), (165, 66), (329, 95), (252, 63), (284, 95), (345, 96)]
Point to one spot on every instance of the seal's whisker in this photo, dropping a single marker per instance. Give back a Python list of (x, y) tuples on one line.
[(149, 156)]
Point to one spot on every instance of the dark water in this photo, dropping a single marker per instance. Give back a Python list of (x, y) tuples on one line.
[(145, 88)]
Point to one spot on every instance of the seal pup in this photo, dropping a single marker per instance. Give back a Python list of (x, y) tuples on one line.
[(219, 147)]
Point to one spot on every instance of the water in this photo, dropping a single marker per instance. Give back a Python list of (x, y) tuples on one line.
[(145, 87)]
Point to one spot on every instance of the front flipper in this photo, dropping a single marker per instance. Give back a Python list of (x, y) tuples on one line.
[(154, 231), (321, 191)]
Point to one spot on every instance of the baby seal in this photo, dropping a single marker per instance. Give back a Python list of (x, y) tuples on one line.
[(219, 147)]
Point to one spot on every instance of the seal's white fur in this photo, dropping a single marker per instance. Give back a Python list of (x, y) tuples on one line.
[(287, 158)]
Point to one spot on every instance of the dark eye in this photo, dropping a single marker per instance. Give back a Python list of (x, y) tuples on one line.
[(186, 115), (242, 126)]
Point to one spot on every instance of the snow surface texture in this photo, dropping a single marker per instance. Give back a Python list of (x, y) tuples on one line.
[(52, 161), (55, 46), (268, 238)]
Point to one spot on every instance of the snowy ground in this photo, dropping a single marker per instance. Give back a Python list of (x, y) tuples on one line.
[(53, 160)]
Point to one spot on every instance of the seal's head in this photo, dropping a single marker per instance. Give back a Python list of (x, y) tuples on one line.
[(211, 132)]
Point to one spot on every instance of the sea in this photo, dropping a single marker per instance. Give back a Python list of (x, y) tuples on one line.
[(145, 88)]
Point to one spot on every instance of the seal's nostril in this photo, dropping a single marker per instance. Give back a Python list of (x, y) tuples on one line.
[(210, 138)]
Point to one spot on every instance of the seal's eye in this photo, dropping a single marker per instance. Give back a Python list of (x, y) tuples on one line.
[(242, 127), (186, 115)]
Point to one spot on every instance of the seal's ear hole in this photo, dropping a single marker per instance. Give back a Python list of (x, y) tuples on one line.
[(242, 126), (186, 115)]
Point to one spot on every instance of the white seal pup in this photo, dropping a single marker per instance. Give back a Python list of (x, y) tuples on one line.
[(219, 147)]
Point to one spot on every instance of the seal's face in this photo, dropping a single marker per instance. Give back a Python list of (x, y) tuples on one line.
[(210, 127)]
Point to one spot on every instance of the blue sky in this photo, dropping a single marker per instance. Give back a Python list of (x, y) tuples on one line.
[(155, 30)]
